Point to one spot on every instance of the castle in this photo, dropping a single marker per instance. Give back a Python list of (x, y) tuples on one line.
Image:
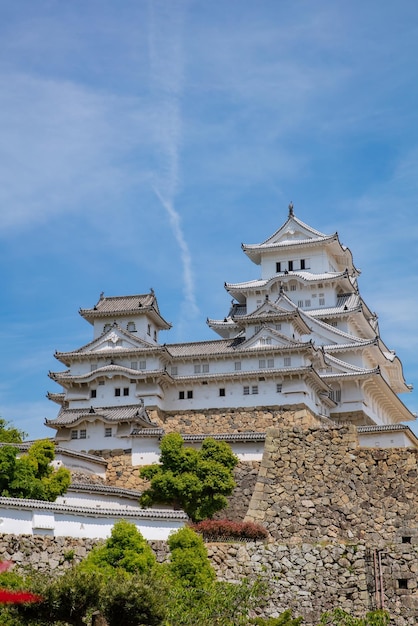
[(305, 391), (299, 337)]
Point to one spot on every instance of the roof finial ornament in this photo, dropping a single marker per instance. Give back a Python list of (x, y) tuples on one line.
[(102, 295), (291, 214)]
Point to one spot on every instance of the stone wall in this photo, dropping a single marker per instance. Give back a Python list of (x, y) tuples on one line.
[(245, 476), (317, 485), (313, 578), (214, 421), (309, 578)]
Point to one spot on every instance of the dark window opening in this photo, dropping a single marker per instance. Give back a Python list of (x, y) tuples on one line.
[(117, 391), (222, 392), (290, 266), (406, 539), (302, 264), (403, 583), (126, 391), (278, 267), (189, 394), (181, 395), (93, 393)]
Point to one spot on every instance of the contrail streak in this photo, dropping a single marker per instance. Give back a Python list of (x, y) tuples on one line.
[(166, 56)]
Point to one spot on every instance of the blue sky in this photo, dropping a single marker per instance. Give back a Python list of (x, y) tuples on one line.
[(142, 142)]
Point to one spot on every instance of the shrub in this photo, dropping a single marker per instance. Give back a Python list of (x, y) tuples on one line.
[(224, 530), (189, 563)]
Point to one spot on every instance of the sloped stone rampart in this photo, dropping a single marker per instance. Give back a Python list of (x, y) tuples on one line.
[(318, 485), (245, 476)]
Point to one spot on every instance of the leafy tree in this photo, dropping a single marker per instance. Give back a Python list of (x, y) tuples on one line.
[(10, 434), (31, 475), (125, 549), (196, 480)]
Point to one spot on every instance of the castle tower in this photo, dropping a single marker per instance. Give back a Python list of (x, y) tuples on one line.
[(300, 336)]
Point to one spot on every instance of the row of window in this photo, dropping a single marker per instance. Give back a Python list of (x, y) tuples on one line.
[(246, 390), (290, 266), (134, 365), (118, 391), (82, 433), (308, 303)]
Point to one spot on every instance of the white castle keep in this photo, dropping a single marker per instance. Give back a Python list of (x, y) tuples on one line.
[(299, 337)]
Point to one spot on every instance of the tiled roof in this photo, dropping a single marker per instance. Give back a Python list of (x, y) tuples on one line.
[(147, 432), (116, 304), (307, 242), (104, 489), (21, 503), (345, 304), (228, 437), (127, 413), (80, 455), (125, 305), (66, 376), (304, 275), (337, 347), (382, 428), (217, 346)]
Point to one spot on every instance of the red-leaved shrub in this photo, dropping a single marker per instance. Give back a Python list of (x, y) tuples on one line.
[(225, 530)]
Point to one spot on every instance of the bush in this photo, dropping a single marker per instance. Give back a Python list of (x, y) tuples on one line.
[(189, 564), (224, 530), (125, 549)]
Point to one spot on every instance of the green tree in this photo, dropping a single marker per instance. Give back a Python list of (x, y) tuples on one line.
[(31, 475), (125, 549), (196, 480), (9, 433)]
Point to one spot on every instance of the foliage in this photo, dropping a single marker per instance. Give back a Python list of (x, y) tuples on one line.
[(339, 617), (189, 564), (68, 599), (135, 600), (125, 549), (10, 434), (220, 604), (219, 530), (285, 619), (196, 480), (31, 475)]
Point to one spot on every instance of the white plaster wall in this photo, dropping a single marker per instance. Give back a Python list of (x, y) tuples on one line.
[(145, 450), (207, 396), (385, 439), (32, 522), (244, 450)]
